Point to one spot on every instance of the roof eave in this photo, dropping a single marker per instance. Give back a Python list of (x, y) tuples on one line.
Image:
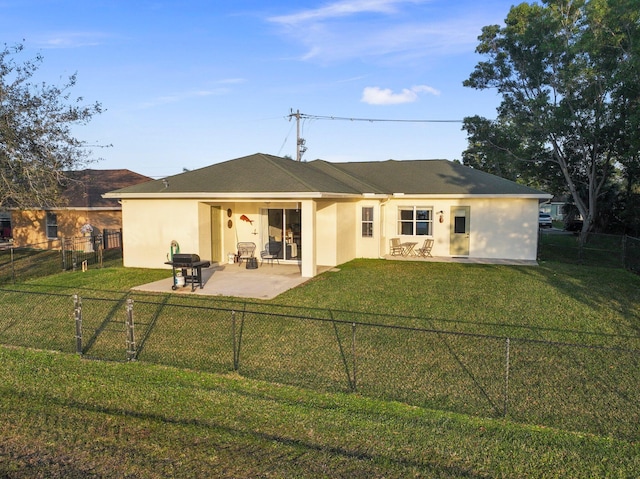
[(204, 196), (314, 195), (471, 195)]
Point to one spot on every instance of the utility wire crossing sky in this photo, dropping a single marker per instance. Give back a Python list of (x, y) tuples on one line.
[(187, 84)]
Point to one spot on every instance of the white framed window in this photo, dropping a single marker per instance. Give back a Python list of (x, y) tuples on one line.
[(367, 221), (52, 225), (415, 220)]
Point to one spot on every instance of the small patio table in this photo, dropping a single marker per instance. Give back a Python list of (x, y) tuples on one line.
[(407, 248)]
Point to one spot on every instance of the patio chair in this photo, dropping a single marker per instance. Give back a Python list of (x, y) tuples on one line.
[(396, 247), (270, 252), (425, 251), (245, 251)]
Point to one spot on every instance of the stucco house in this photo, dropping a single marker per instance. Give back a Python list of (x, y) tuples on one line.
[(319, 213), (83, 204)]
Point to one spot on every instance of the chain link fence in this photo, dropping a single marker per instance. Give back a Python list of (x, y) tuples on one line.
[(631, 248), (589, 387), (53, 256), (593, 249)]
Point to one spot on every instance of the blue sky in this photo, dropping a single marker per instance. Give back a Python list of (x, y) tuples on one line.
[(189, 83)]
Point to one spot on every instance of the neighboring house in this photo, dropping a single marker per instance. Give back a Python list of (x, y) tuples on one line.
[(83, 205), (554, 207), (323, 214)]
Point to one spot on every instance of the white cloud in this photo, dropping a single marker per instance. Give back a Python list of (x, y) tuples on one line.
[(374, 95), (341, 9), (391, 31), (71, 39)]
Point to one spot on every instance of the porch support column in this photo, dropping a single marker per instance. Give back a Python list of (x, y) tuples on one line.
[(309, 267)]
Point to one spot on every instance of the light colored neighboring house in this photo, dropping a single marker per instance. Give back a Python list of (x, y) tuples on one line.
[(324, 214), (553, 208), (85, 211)]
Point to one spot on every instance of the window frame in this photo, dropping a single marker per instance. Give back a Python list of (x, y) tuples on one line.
[(366, 221), (416, 220), (51, 224)]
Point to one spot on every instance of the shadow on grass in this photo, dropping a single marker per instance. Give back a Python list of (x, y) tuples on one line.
[(108, 320), (151, 325), (239, 437)]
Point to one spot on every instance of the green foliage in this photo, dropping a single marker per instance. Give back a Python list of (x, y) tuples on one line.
[(37, 145), (568, 75)]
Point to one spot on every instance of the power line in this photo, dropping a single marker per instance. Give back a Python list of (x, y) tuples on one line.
[(320, 117), (301, 142)]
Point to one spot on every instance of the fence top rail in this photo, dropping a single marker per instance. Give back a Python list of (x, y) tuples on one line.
[(40, 293), (331, 319), (409, 328), (242, 307)]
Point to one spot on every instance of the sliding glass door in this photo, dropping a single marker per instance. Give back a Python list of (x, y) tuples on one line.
[(281, 233)]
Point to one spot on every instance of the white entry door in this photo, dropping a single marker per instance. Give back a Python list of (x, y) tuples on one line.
[(460, 230)]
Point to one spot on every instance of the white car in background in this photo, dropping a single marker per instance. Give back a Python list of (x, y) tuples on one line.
[(544, 220)]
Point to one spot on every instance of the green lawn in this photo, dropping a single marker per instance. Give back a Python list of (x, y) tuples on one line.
[(72, 418), (330, 433)]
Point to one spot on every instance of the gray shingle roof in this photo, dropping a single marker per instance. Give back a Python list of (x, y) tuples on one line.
[(435, 177), (262, 173)]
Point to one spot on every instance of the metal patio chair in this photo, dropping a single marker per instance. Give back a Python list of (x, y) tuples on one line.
[(270, 252), (245, 251)]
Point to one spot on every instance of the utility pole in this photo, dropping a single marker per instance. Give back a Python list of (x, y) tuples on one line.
[(300, 148)]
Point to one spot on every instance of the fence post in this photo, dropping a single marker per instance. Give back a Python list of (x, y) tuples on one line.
[(13, 267), (353, 354), (100, 247), (131, 342), (506, 376), (237, 337), (235, 349), (77, 313), (64, 255)]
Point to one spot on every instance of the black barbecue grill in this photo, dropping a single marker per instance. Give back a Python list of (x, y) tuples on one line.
[(190, 268)]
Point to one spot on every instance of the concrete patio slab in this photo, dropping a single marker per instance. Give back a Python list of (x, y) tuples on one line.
[(265, 282)]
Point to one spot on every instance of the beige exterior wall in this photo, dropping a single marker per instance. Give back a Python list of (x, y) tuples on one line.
[(504, 229), (30, 227), (309, 266), (346, 221), (149, 227), (499, 228), (331, 230), (334, 232), (326, 233)]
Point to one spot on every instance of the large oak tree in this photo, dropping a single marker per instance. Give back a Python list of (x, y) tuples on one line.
[(37, 145), (567, 72)]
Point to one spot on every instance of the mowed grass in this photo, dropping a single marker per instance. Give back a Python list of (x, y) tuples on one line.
[(552, 302), (72, 418)]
